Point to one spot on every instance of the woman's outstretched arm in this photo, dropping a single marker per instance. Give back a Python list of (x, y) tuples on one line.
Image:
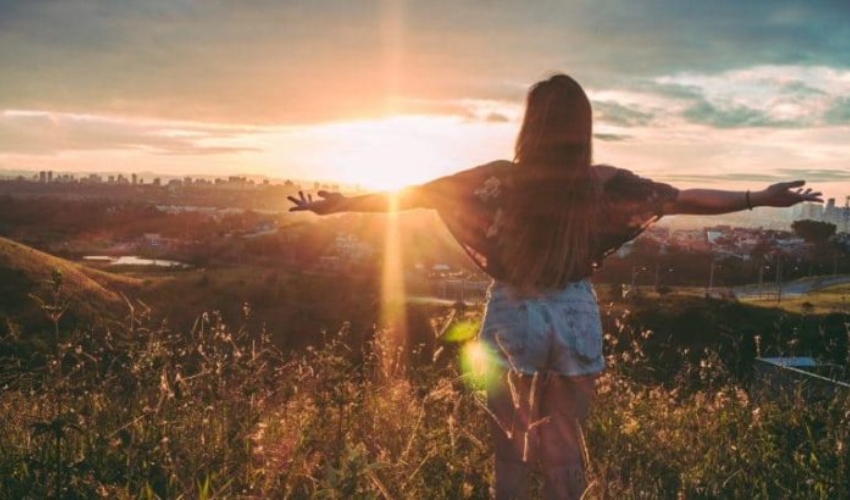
[(447, 194), (331, 203), (714, 201)]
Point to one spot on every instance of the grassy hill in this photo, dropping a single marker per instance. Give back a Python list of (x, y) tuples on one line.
[(27, 275), (293, 305), (232, 411)]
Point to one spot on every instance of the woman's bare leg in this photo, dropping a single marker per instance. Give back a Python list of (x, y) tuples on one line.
[(566, 402), (507, 400)]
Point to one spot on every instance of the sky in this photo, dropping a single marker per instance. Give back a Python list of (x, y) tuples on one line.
[(381, 93)]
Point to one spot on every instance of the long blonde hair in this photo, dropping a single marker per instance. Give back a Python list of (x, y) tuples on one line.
[(548, 237)]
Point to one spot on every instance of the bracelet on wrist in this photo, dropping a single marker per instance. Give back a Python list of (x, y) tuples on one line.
[(749, 202)]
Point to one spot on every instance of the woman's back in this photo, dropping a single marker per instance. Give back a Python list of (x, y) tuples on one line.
[(473, 204)]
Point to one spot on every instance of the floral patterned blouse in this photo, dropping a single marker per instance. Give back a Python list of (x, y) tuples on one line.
[(471, 204)]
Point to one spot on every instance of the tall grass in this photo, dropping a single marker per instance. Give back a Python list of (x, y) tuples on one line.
[(220, 412), (726, 440)]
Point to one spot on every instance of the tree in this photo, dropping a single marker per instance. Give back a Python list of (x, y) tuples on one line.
[(813, 231)]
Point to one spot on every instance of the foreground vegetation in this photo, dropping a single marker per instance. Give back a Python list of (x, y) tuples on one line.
[(220, 412)]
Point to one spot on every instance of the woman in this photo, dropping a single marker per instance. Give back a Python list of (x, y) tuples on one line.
[(539, 226)]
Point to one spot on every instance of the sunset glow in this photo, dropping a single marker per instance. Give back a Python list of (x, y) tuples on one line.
[(389, 153), (390, 93)]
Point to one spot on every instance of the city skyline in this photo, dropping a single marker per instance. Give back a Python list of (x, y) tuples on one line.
[(387, 93)]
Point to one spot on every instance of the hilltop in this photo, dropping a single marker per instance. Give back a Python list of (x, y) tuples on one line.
[(92, 296)]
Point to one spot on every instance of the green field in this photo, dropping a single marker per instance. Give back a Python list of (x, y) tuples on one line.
[(830, 299), (258, 383)]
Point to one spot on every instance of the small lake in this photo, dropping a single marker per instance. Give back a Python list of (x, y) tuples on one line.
[(132, 260)]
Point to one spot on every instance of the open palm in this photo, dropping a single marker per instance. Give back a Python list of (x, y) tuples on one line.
[(329, 202), (786, 194)]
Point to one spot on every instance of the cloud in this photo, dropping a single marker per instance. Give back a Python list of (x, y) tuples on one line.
[(492, 111), (665, 36), (618, 114), (839, 112), (269, 62), (28, 132), (762, 96), (726, 177), (611, 137), (812, 176), (496, 118), (669, 90), (815, 175), (799, 88), (729, 115)]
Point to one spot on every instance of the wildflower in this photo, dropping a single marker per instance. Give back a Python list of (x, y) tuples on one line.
[(631, 426)]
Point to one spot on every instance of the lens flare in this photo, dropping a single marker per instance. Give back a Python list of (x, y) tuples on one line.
[(476, 359), (462, 331)]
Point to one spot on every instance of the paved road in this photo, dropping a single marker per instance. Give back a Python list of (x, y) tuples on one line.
[(791, 288)]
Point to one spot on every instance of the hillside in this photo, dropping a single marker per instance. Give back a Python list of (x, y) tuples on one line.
[(25, 273)]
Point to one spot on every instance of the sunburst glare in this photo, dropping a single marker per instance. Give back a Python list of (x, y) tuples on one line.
[(393, 297)]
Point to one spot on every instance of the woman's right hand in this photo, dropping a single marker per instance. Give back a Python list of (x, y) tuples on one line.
[(330, 202), (786, 194)]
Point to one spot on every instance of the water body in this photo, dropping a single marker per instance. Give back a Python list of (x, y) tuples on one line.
[(133, 260)]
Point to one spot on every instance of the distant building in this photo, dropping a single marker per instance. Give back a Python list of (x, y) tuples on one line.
[(830, 211), (690, 239), (808, 211)]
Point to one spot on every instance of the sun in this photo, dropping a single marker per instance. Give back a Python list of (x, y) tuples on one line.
[(390, 153)]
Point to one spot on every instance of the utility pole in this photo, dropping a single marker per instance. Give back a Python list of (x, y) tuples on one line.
[(834, 263), (710, 279)]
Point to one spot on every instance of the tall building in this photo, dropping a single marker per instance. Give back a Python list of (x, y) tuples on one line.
[(829, 209), (810, 211)]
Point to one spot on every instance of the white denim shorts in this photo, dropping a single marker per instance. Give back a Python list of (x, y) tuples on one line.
[(559, 331)]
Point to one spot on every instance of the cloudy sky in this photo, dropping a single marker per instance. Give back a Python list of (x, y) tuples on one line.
[(383, 92)]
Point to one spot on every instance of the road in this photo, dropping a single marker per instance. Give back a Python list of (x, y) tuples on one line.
[(791, 288)]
